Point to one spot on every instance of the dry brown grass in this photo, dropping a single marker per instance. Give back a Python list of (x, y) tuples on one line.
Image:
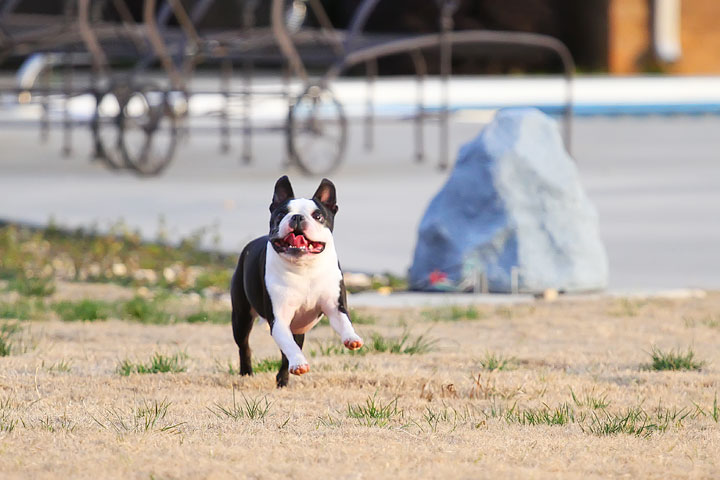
[(90, 422)]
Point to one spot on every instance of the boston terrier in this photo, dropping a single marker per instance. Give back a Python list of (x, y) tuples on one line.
[(290, 278)]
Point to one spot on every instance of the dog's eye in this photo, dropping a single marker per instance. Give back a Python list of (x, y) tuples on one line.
[(317, 215)]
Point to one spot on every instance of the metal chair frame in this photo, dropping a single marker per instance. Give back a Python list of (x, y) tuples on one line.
[(84, 38)]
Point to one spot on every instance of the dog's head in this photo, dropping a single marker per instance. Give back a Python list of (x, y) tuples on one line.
[(301, 227)]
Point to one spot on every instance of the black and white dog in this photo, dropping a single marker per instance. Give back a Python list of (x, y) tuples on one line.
[(292, 277)]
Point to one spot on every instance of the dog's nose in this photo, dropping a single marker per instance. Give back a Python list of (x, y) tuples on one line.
[(296, 222)]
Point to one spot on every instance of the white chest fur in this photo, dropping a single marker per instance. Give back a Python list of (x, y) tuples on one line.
[(300, 291)]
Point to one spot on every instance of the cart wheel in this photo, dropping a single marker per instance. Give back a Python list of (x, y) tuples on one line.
[(148, 131), (316, 131), (105, 130)]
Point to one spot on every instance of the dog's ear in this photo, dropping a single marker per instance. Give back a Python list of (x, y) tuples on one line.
[(325, 194), (283, 192)]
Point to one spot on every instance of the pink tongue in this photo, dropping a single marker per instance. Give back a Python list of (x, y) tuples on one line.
[(296, 240)]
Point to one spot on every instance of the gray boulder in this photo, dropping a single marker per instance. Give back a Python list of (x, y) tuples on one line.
[(513, 205)]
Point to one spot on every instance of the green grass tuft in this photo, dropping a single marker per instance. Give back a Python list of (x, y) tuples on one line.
[(60, 424), (674, 360), (159, 363), (16, 310), (7, 421), (710, 321), (633, 421), (713, 412), (449, 415), (7, 341), (560, 415), (63, 366), (590, 400), (22, 309), (251, 408), (406, 344), (493, 361), (328, 421), (145, 311), (146, 417), (594, 418), (375, 414), (267, 365), (83, 310), (32, 286)]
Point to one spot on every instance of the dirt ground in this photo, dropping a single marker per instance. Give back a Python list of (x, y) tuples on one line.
[(66, 412)]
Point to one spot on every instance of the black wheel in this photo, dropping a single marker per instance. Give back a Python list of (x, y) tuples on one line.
[(148, 131), (106, 130), (316, 131)]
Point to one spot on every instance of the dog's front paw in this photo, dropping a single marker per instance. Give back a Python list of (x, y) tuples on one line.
[(299, 365), (353, 342), (299, 369)]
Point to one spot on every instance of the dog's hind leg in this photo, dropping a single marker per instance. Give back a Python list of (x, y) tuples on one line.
[(283, 375), (242, 323)]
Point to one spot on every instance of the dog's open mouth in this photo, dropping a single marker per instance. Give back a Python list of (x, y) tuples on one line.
[(297, 244)]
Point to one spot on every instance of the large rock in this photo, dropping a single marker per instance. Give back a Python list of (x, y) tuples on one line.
[(513, 202)]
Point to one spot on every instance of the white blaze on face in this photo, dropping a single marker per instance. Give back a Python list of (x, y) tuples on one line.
[(314, 230)]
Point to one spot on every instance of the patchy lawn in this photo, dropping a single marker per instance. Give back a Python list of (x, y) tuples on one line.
[(566, 389)]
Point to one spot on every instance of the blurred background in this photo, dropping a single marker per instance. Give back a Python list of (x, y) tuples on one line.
[(169, 120)]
